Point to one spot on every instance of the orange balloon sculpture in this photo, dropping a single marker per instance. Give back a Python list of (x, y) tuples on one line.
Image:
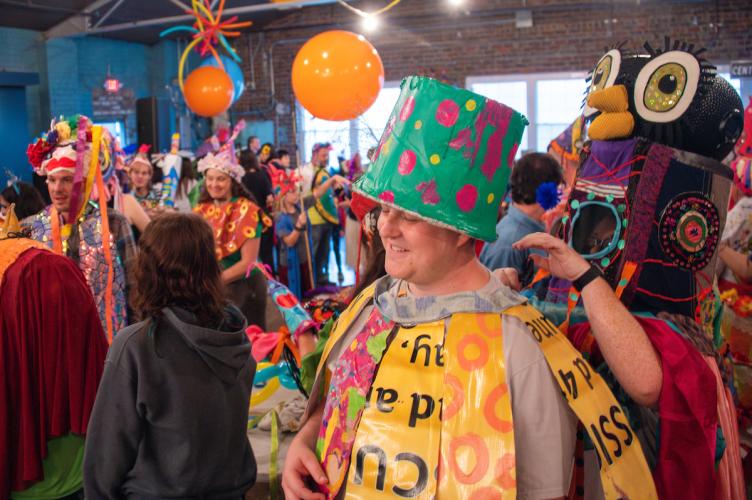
[(208, 91), (337, 75)]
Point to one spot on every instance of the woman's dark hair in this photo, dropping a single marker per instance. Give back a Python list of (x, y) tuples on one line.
[(177, 266), (270, 146), (529, 172), (237, 190), (249, 160), (26, 197), (187, 173)]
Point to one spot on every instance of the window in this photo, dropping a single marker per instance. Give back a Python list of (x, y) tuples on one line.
[(513, 94), (558, 103), (735, 82), (349, 137), (117, 130)]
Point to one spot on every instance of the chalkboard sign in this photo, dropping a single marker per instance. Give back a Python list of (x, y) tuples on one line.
[(118, 103)]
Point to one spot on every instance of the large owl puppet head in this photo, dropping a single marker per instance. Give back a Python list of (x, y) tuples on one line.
[(649, 200)]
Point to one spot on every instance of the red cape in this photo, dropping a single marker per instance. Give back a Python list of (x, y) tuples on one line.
[(52, 352), (688, 413)]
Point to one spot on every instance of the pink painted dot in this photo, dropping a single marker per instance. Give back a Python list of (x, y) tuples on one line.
[(406, 162), (447, 113), (407, 108), (466, 197), (387, 196)]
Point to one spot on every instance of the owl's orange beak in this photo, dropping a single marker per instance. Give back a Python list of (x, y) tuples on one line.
[(615, 120)]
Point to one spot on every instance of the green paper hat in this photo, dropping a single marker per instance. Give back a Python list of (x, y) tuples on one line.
[(445, 156)]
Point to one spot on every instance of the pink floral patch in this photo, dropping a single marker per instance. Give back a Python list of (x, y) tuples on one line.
[(512, 153), (447, 113), (387, 196), (406, 162), (467, 196), (407, 108), (430, 196)]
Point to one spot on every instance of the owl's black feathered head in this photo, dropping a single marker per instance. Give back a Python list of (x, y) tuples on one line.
[(671, 96)]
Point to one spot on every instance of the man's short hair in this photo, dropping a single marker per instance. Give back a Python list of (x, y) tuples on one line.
[(529, 172), (282, 152)]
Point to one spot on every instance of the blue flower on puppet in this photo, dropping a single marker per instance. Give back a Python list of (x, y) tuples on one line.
[(548, 195)]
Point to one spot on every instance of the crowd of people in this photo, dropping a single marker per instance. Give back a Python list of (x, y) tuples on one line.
[(546, 327)]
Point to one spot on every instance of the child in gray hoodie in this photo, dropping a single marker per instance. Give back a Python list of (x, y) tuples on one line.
[(171, 412)]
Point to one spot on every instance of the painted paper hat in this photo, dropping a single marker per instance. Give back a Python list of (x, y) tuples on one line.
[(445, 156)]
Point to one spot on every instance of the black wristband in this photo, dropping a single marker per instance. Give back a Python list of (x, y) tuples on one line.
[(299, 228), (586, 278)]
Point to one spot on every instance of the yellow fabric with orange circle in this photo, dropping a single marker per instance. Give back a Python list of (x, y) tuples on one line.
[(232, 223), (471, 426), (398, 444)]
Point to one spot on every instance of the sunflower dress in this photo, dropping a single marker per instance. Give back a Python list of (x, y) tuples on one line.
[(233, 224)]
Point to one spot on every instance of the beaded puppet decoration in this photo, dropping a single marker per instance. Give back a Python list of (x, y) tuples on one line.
[(647, 208)]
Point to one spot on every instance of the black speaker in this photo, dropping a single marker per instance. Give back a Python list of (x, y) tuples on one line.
[(153, 123)]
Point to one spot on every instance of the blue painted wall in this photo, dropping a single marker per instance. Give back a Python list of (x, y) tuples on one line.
[(69, 69)]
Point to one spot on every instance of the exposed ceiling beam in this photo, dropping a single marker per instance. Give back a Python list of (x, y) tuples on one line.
[(264, 7), (108, 13), (76, 24)]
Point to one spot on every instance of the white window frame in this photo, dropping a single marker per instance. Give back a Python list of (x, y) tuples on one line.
[(530, 80), (353, 125)]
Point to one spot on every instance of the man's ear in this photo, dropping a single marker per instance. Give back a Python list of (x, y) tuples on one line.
[(463, 240)]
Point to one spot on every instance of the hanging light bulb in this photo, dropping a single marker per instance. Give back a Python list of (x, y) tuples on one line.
[(456, 3), (370, 23)]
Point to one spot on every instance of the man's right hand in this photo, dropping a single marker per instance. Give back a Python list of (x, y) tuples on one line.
[(562, 261), (300, 464), (302, 220)]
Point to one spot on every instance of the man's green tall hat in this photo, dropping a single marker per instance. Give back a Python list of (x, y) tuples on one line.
[(445, 156)]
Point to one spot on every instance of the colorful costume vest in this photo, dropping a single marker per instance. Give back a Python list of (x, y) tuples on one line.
[(233, 224), (424, 411), (85, 246)]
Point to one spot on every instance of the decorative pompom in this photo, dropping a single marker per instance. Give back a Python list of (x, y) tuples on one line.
[(63, 131), (144, 149), (548, 195)]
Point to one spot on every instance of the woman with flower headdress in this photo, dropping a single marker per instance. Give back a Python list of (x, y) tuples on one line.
[(237, 223)]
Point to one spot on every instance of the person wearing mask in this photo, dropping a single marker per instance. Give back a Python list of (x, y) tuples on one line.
[(184, 436)]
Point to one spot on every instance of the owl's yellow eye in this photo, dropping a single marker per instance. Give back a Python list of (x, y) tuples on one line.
[(603, 76), (665, 87), (601, 73)]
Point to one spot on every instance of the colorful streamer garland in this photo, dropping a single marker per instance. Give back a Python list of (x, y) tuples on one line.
[(208, 31)]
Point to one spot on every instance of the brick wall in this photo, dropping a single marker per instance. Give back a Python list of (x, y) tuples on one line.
[(425, 35)]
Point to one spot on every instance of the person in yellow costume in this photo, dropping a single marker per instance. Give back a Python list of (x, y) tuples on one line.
[(439, 381)]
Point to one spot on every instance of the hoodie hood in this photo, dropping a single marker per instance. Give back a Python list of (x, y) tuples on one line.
[(225, 350)]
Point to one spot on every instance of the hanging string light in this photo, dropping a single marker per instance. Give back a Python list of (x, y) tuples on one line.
[(370, 20)]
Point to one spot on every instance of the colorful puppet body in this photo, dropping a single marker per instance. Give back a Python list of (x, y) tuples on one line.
[(650, 216)]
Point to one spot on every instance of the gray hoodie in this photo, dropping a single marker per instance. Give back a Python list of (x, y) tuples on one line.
[(171, 412)]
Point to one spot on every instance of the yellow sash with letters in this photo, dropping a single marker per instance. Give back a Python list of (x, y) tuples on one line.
[(438, 422)]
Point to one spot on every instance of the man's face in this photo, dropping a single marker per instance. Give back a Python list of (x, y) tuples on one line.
[(140, 175), (285, 161), (322, 157), (60, 185), (416, 251), (4, 206), (254, 144)]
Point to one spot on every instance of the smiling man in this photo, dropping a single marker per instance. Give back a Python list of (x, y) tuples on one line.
[(72, 224), (435, 382)]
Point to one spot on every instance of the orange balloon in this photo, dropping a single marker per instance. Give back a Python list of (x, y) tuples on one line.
[(337, 75), (208, 91)]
